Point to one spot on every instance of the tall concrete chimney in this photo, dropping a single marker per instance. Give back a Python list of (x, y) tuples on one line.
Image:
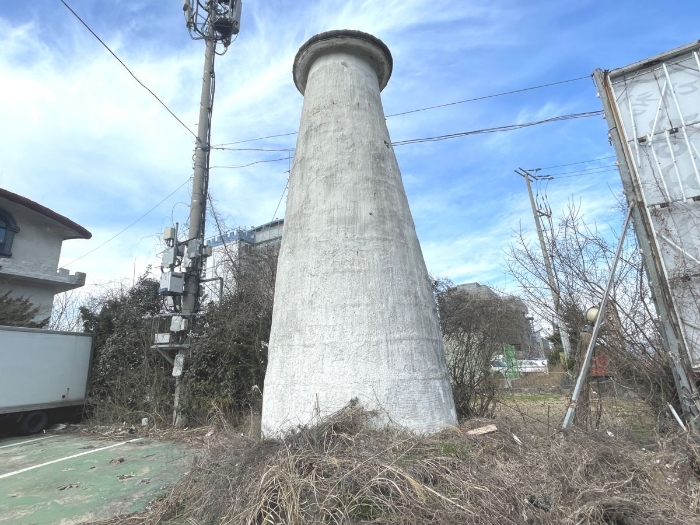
[(354, 315)]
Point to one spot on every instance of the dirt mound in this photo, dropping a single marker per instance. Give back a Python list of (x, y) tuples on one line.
[(341, 471)]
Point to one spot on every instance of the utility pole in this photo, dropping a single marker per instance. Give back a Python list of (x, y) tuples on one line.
[(558, 320), (200, 182), (214, 21)]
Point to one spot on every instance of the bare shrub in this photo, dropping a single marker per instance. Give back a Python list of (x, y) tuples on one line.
[(65, 314), (582, 255), (227, 366), (128, 380), (475, 328)]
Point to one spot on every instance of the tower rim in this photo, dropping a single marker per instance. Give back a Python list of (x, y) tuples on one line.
[(356, 42)]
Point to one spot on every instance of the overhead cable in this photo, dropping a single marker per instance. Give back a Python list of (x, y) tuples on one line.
[(488, 96), (484, 97), (246, 165), (574, 163), (581, 174), (280, 201), (251, 149), (129, 70), (253, 140), (510, 127), (497, 129), (595, 168), (130, 225)]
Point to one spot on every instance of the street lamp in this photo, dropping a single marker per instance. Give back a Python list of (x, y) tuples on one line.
[(592, 315)]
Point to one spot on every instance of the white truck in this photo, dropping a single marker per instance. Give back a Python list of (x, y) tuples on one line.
[(43, 375)]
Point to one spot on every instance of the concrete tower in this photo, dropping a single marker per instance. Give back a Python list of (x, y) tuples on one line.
[(354, 315)]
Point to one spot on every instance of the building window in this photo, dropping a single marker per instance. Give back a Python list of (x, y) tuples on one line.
[(8, 228)]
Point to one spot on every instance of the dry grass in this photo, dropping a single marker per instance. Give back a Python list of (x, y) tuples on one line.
[(629, 418), (343, 472)]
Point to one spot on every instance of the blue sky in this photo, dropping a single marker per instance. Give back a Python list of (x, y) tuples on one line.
[(80, 136)]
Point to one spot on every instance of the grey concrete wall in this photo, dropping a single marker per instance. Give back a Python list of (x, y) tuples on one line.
[(354, 315), (37, 246), (32, 271)]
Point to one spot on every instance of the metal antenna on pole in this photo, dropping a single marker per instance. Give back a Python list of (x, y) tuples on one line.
[(556, 297), (214, 21)]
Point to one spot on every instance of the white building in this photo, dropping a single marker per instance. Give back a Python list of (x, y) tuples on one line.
[(227, 246), (31, 237)]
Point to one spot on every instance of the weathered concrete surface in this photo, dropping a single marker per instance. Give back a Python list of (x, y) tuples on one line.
[(354, 315), (101, 483)]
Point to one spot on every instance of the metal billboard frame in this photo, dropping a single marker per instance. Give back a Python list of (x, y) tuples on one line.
[(656, 192)]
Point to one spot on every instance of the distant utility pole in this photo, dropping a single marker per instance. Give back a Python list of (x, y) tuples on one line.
[(214, 21), (558, 318)]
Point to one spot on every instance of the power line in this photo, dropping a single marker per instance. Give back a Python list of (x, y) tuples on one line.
[(246, 165), (569, 174), (130, 225), (509, 127), (520, 90), (258, 138), (581, 174), (574, 163), (398, 143), (289, 174), (129, 70), (489, 96), (280, 202), (596, 168), (251, 149)]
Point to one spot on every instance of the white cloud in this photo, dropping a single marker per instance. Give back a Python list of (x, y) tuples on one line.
[(82, 137)]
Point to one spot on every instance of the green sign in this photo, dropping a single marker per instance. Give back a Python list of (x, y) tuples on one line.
[(511, 363)]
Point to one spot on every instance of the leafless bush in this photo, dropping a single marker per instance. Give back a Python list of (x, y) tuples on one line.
[(582, 257), (128, 380), (65, 314), (227, 366), (475, 329)]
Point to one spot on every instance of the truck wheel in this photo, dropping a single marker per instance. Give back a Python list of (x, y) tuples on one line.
[(33, 422)]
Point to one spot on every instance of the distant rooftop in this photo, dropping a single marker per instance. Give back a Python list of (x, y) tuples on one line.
[(253, 235)]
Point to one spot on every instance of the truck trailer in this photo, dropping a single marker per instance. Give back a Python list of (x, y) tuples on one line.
[(43, 375)]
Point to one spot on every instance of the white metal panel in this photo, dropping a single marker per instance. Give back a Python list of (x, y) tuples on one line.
[(41, 368), (659, 107)]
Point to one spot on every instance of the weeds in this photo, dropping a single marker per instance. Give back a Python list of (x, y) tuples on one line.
[(344, 472)]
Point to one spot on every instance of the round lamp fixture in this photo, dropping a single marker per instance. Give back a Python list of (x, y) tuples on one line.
[(592, 314)]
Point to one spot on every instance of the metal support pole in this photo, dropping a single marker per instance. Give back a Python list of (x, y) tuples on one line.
[(586, 365), (561, 326)]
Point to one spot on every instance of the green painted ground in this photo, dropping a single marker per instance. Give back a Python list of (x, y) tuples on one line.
[(99, 484)]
